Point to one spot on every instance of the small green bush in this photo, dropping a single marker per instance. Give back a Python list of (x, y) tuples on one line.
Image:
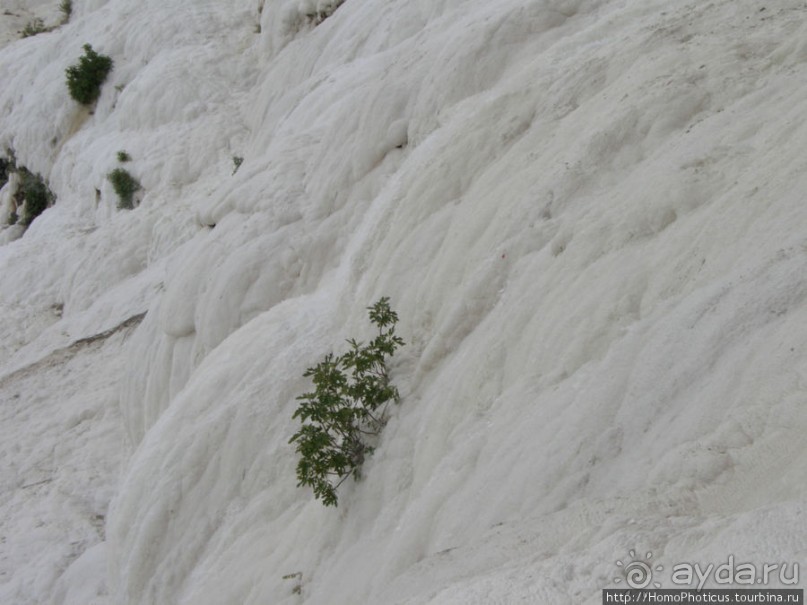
[(84, 79), (34, 27), (125, 186), (346, 408), (123, 156), (237, 161), (66, 7), (6, 166), (318, 16), (34, 194)]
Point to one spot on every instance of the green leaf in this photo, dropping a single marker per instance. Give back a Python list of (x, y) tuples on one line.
[(341, 412)]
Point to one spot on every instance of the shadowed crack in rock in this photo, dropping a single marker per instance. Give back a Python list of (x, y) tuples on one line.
[(64, 353)]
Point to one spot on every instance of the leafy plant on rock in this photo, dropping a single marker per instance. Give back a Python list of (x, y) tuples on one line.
[(66, 7), (346, 409), (6, 166), (237, 161), (84, 79), (125, 186), (34, 27), (323, 11), (33, 195)]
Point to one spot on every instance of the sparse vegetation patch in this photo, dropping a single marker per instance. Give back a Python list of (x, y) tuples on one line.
[(66, 7), (33, 195), (125, 185), (6, 166), (34, 27), (346, 409), (323, 11), (84, 79)]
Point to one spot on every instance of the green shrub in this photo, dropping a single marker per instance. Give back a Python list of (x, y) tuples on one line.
[(84, 79), (34, 27), (123, 156), (34, 194), (318, 16), (6, 166), (125, 186), (66, 7), (346, 408)]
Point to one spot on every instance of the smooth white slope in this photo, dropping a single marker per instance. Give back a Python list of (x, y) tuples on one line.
[(60, 459), (587, 215)]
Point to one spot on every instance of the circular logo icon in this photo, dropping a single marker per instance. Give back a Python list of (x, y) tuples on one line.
[(638, 573)]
